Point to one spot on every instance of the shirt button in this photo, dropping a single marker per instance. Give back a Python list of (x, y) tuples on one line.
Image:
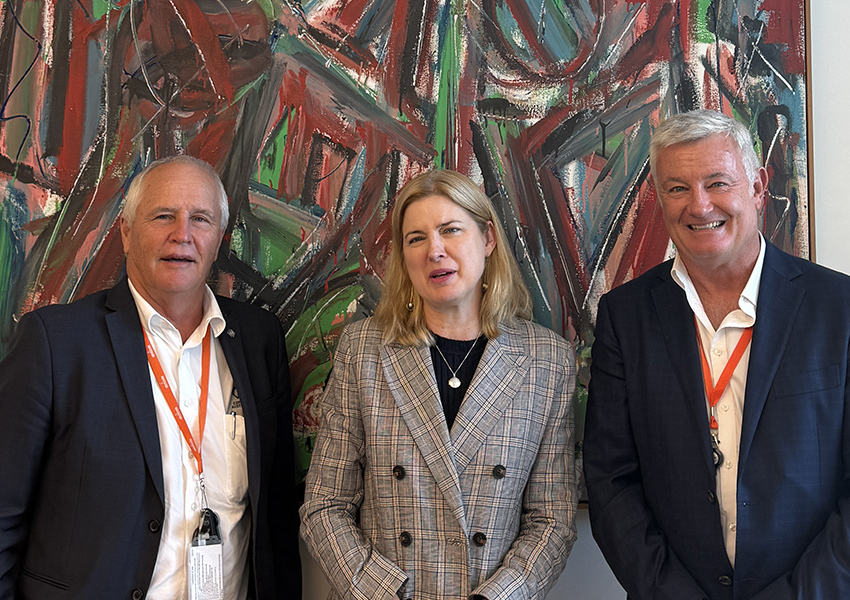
[(732, 527), (191, 456), (725, 407), (194, 506), (718, 352), (728, 464)]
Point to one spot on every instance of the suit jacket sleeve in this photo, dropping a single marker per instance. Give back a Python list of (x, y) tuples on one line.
[(26, 409), (334, 493), (547, 523), (622, 523)]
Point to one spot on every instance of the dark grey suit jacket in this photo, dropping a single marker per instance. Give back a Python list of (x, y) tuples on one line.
[(647, 459), (81, 487)]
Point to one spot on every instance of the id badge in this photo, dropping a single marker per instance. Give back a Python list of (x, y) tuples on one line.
[(206, 572)]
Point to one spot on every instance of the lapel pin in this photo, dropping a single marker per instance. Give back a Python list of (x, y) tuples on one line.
[(231, 333)]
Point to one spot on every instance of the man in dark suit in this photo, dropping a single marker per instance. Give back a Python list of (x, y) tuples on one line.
[(717, 441), (145, 431)]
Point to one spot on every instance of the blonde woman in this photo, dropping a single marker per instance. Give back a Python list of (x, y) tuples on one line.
[(444, 465)]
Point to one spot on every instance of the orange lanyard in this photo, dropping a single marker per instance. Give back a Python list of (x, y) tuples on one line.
[(153, 361), (715, 391)]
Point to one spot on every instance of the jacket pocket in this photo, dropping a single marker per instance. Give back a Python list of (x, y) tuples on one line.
[(806, 382), (45, 579)]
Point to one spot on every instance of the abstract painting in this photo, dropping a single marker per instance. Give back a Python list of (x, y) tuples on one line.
[(315, 113)]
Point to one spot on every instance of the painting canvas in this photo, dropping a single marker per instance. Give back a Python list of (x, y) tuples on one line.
[(315, 113)]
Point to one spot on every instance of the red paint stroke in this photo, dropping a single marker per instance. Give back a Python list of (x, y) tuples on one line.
[(648, 243), (394, 71), (215, 141), (785, 27), (74, 118), (653, 45)]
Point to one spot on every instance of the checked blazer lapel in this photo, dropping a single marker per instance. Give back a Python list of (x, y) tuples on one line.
[(779, 300), (410, 378), (496, 383), (676, 320), (128, 346)]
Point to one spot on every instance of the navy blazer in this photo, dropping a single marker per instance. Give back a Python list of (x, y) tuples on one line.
[(81, 499), (647, 457)]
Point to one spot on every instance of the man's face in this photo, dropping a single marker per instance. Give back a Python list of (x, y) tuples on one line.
[(710, 207), (175, 235)]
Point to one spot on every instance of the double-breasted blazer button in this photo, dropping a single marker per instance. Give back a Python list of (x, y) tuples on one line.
[(154, 526), (712, 497), (479, 539), (405, 538), (499, 471), (137, 595), (399, 472), (724, 580)]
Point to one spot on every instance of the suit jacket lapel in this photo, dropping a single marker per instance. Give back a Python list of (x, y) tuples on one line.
[(496, 383), (234, 354), (677, 326), (411, 381), (778, 302), (128, 346)]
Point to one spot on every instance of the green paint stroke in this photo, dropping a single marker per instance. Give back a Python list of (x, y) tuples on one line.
[(449, 70), (703, 34), (101, 7), (271, 162)]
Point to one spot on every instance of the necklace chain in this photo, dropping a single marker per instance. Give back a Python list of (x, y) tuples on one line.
[(454, 381)]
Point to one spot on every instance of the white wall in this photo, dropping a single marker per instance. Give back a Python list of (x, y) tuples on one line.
[(830, 104), (587, 576)]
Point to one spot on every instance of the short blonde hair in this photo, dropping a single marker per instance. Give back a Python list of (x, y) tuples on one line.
[(505, 298)]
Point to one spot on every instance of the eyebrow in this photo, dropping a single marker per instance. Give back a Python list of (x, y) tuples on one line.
[(710, 176), (173, 209), (439, 226)]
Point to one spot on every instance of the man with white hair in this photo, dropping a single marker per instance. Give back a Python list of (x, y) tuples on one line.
[(145, 440), (717, 440)]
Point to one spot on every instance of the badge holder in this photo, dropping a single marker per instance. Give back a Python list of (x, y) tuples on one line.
[(206, 573)]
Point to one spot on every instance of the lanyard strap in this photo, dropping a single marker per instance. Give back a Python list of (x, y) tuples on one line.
[(715, 391), (159, 374)]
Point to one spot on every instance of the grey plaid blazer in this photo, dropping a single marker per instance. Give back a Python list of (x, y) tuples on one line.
[(396, 501)]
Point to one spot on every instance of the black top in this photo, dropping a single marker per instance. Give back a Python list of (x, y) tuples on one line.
[(455, 351)]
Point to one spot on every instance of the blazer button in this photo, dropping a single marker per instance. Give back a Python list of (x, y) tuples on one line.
[(137, 595), (405, 538), (399, 472), (711, 497), (499, 471), (154, 526), (479, 539), (725, 580)]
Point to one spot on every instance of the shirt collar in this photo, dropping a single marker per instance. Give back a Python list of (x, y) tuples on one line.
[(747, 301), (154, 323)]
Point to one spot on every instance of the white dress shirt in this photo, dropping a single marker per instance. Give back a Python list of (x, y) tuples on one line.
[(222, 450), (718, 346)]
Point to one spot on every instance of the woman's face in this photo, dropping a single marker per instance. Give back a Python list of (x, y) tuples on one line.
[(444, 251)]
